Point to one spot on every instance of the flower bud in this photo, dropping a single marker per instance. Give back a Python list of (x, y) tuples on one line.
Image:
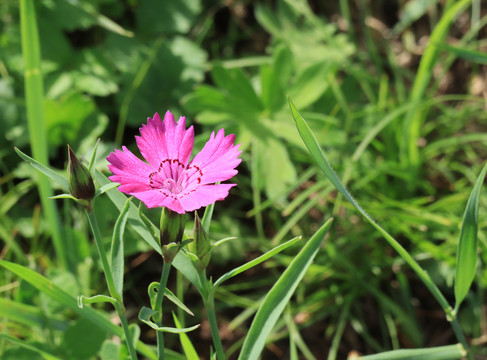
[(80, 181), (172, 230), (200, 246)]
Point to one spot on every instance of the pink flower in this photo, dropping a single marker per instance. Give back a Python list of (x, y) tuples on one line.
[(168, 179)]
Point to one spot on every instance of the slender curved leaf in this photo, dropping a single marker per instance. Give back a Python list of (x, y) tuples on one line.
[(117, 255), (256, 261), (145, 315), (274, 303), (449, 352), (467, 245)]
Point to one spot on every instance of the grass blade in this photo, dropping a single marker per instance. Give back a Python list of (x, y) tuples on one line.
[(467, 245), (414, 118), (449, 352), (256, 261), (22, 343), (277, 298), (34, 96), (188, 348)]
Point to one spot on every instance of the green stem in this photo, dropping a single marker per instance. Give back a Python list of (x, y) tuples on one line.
[(111, 284), (210, 310), (103, 256), (158, 307), (125, 326)]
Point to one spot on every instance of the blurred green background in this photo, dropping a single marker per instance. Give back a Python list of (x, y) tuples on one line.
[(394, 91)]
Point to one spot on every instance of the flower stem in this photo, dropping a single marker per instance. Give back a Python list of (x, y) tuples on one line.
[(111, 284), (210, 310), (125, 326), (158, 307)]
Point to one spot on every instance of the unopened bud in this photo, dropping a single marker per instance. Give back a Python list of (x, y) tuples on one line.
[(80, 181), (200, 246)]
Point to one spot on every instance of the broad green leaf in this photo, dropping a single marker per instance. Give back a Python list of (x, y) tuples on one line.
[(82, 340), (449, 352), (22, 343), (274, 166), (45, 170), (310, 84), (117, 253), (49, 288), (145, 315), (188, 348), (277, 298), (179, 16), (256, 261), (275, 77), (467, 245), (238, 86)]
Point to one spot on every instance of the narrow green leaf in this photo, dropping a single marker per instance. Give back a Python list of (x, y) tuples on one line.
[(479, 57), (62, 181), (49, 288), (449, 352), (146, 314), (117, 253), (82, 300), (34, 99), (93, 156), (257, 261), (206, 221), (22, 343), (188, 348), (63, 196), (274, 303), (105, 188), (467, 245), (154, 286)]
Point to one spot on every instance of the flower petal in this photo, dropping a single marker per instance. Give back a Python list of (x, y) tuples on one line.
[(203, 196), (216, 161), (128, 170), (160, 198), (161, 141)]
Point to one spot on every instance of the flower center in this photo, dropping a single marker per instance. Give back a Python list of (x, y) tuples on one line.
[(174, 177)]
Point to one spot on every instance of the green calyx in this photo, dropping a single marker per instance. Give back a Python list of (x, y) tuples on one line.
[(172, 231)]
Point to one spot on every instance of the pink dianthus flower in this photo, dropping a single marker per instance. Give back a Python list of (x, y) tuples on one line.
[(168, 179)]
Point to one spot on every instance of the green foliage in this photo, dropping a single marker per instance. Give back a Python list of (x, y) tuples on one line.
[(402, 121)]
